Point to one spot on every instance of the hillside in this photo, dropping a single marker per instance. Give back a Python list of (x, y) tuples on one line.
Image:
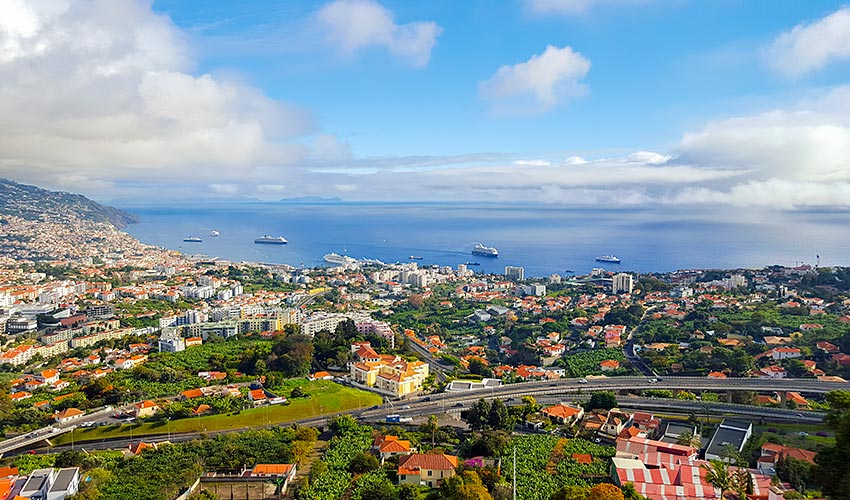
[(34, 203)]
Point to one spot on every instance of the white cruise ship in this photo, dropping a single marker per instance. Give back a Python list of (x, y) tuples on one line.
[(271, 240), (340, 260), (483, 251)]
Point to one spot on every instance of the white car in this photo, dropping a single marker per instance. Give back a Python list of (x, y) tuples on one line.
[(582, 381)]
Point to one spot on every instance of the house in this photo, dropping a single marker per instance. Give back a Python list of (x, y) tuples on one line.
[(258, 396), (193, 341), (68, 415), (780, 353), (564, 413), (797, 399), (192, 394), (389, 446), (773, 372), (609, 365), (59, 385), (770, 453), (273, 470), (827, 347), (48, 376), (426, 469), (717, 375), (20, 396), (145, 409), (615, 422), (321, 376), (51, 484), (734, 433)]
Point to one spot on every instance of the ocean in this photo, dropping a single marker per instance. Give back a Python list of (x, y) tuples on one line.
[(544, 239)]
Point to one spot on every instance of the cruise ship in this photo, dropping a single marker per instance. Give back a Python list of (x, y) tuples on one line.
[(608, 258), (271, 240), (340, 260), (483, 251), (192, 239)]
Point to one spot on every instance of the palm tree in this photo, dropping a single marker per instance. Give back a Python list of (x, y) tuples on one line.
[(718, 475), (688, 438)]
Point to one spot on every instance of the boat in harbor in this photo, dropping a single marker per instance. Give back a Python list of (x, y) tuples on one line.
[(473, 263), (214, 233), (608, 258), (271, 240), (192, 239), (484, 251), (340, 260), (415, 257)]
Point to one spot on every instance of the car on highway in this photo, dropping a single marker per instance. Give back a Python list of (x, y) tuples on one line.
[(459, 405), (87, 424), (652, 380), (426, 398), (582, 381), (405, 407)]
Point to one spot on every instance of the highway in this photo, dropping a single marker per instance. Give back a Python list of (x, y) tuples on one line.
[(438, 369), (553, 392)]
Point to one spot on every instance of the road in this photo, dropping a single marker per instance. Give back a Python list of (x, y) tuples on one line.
[(629, 347), (438, 369), (45, 433), (552, 391)]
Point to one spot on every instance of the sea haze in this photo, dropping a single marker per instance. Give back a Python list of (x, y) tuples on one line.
[(544, 239)]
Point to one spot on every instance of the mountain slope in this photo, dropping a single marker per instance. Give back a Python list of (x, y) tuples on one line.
[(34, 203)]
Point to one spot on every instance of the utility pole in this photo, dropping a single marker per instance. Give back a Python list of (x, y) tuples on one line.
[(514, 474)]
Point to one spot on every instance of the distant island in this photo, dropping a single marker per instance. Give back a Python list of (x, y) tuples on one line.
[(311, 199)]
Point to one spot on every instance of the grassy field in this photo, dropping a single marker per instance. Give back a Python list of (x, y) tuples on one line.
[(324, 397)]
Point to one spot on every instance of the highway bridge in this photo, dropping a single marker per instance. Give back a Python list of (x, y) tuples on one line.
[(551, 392)]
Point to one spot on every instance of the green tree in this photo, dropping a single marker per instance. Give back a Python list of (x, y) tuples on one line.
[(464, 486), (500, 417), (688, 438), (717, 474), (604, 400), (832, 470)]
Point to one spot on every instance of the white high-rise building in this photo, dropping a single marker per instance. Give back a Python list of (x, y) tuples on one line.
[(515, 273), (623, 283)]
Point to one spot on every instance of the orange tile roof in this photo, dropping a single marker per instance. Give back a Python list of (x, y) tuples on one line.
[(279, 469), (429, 461), (192, 393)]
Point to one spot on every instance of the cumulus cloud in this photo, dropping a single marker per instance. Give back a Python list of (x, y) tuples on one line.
[(811, 46), (539, 84), (105, 89), (352, 25), (567, 7), (575, 160)]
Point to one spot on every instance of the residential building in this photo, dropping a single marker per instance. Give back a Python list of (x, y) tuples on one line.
[(145, 409), (390, 446), (426, 469), (564, 414), (622, 283), (68, 415), (730, 433), (514, 273)]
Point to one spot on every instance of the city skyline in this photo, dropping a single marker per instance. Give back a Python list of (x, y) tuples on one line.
[(615, 102)]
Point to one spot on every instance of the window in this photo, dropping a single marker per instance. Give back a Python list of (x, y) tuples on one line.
[(430, 473)]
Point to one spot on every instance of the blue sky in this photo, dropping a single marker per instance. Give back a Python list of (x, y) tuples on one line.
[(659, 68), (583, 102)]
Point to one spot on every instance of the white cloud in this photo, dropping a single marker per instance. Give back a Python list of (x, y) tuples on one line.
[(532, 163), (568, 7), (539, 84), (352, 25), (224, 188), (104, 89), (575, 160), (812, 46), (648, 157)]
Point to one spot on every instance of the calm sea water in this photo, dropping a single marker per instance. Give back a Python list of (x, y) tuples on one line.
[(543, 239)]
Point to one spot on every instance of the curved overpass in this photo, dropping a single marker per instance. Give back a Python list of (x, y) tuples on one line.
[(551, 390)]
